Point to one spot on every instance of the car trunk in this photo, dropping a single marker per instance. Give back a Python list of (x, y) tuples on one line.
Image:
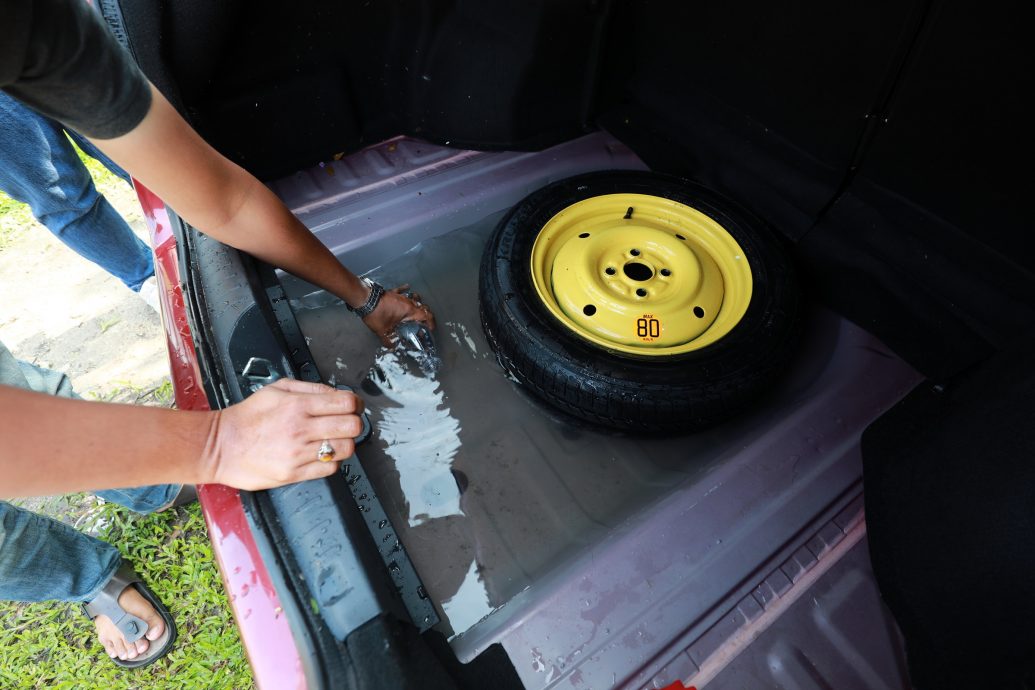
[(475, 514), (588, 555)]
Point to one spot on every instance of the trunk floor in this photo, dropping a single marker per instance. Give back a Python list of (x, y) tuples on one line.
[(488, 489)]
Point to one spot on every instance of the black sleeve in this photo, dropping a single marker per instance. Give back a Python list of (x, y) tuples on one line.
[(58, 57)]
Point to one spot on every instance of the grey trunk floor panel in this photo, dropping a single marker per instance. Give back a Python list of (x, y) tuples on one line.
[(596, 559)]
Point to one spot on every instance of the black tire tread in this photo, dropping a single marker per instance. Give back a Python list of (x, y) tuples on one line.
[(615, 391)]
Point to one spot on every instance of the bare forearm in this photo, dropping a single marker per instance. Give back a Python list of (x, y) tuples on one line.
[(265, 228), (55, 445), (223, 200)]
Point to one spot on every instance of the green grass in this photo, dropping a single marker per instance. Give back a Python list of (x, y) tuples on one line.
[(14, 218), (52, 645)]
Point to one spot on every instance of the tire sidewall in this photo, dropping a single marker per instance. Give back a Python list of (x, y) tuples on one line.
[(506, 274)]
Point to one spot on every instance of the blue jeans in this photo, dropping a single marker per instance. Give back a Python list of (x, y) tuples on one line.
[(39, 167), (43, 559)]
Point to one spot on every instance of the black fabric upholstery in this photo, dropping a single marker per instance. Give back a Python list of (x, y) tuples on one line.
[(278, 88), (950, 507)]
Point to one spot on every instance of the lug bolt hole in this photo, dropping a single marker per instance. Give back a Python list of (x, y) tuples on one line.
[(589, 310), (640, 292), (665, 272), (698, 312), (634, 252), (609, 271)]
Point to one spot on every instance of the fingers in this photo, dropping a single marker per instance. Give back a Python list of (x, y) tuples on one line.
[(319, 470), (418, 311), (332, 428), (296, 386), (429, 317), (334, 402)]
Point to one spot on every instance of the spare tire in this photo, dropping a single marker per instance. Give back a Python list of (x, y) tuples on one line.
[(638, 301)]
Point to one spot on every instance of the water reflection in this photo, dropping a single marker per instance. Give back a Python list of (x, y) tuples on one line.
[(470, 603), (487, 488), (420, 434)]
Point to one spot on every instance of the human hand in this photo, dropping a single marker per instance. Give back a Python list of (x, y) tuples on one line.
[(273, 437), (397, 305)]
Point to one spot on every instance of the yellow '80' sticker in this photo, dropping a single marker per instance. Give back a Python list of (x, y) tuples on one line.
[(648, 328)]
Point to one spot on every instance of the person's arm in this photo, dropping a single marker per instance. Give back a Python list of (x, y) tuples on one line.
[(226, 202), (59, 58), (272, 438)]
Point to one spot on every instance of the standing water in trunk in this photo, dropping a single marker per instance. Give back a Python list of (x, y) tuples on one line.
[(488, 489)]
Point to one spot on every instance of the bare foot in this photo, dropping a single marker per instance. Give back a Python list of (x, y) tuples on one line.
[(113, 640)]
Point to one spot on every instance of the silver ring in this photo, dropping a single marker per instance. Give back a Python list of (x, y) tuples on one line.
[(326, 452)]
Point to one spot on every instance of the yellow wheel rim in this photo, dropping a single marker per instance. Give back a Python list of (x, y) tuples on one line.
[(641, 274)]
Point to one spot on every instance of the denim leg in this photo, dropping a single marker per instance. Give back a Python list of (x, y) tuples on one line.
[(42, 559), (39, 167), (143, 499)]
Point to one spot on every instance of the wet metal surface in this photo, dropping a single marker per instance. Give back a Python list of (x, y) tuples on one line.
[(600, 557), (488, 488), (491, 491)]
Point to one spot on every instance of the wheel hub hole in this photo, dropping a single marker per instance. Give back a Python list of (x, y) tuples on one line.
[(637, 271), (589, 310)]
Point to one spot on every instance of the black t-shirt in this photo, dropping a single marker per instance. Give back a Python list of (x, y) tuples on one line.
[(59, 58)]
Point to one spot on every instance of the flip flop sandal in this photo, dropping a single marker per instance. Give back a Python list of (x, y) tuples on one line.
[(107, 604)]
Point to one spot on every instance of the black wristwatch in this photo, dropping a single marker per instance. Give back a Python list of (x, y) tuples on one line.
[(376, 291)]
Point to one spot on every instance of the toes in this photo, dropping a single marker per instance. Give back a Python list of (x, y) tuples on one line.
[(155, 627), (141, 645), (132, 601), (119, 647)]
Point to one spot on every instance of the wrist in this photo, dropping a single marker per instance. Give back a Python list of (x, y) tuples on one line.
[(209, 459), (358, 294), (374, 294)]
